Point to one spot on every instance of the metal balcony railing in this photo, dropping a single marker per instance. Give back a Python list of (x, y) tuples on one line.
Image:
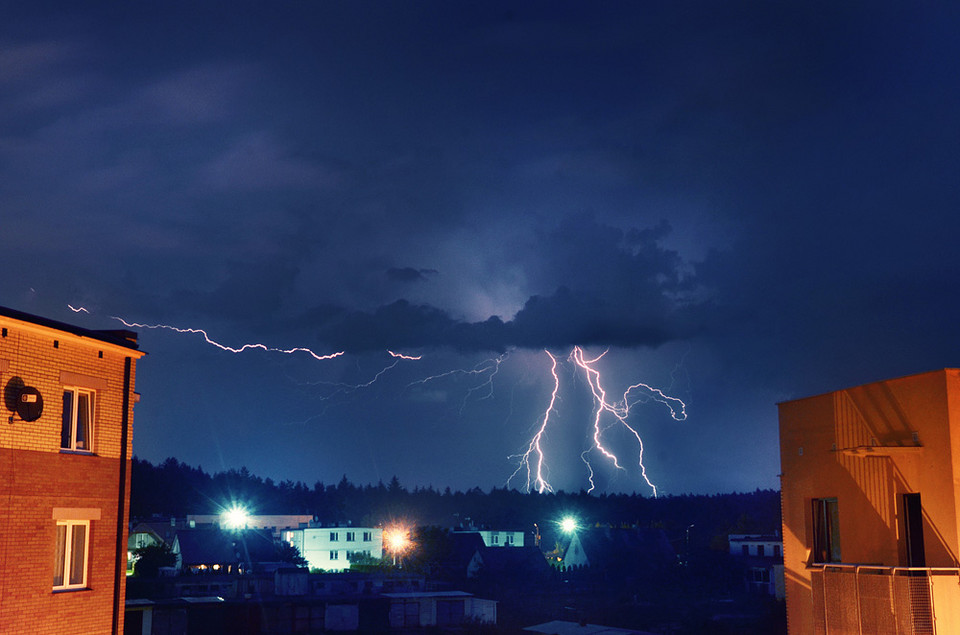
[(873, 600)]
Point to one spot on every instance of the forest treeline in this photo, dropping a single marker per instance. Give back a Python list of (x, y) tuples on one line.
[(172, 488)]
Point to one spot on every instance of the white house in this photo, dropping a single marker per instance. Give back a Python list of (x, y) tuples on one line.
[(496, 538), (328, 548)]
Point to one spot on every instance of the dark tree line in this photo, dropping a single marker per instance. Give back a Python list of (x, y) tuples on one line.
[(695, 522)]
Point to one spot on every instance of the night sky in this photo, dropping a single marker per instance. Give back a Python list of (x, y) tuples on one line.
[(743, 202)]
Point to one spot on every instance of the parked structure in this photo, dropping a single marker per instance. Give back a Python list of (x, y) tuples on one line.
[(871, 505), (65, 448)]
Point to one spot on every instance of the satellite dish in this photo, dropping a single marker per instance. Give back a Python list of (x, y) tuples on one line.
[(29, 403)]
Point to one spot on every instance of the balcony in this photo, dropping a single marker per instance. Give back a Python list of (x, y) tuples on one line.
[(867, 600)]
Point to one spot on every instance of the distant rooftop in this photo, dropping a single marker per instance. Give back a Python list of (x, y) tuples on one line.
[(127, 339)]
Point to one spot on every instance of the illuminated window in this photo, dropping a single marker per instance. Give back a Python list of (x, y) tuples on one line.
[(77, 430), (70, 559), (334, 536), (351, 536), (826, 530)]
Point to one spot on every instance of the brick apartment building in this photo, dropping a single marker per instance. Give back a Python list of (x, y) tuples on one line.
[(65, 449)]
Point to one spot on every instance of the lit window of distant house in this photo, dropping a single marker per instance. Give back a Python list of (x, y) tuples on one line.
[(826, 530), (76, 432), (334, 555), (334, 536), (367, 536), (351, 536), (70, 560)]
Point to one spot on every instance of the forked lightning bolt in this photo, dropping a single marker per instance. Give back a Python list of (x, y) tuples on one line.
[(532, 460), (535, 473)]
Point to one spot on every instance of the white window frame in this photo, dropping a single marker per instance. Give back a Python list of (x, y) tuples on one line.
[(62, 568), (351, 536), (334, 555), (334, 536), (75, 405), (367, 536)]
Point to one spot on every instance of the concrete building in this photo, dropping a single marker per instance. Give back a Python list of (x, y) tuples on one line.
[(871, 500), (65, 449), (762, 559), (329, 548)]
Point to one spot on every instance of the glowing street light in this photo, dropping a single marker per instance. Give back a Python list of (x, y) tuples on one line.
[(568, 524), (396, 540), (235, 517)]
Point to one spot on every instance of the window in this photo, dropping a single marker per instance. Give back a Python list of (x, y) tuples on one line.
[(496, 539), (509, 539), (334, 536), (77, 430), (334, 555), (826, 530), (367, 536), (70, 560), (776, 551), (760, 550), (351, 536)]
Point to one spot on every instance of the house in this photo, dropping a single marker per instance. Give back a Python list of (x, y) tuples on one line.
[(65, 450), (494, 537), (871, 501), (329, 548), (619, 552), (525, 564), (211, 549), (762, 558)]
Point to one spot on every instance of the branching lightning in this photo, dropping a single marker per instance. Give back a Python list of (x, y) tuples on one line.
[(245, 347), (535, 473), (532, 460)]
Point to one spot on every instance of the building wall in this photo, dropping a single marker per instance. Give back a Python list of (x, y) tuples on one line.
[(317, 544), (39, 482), (501, 538), (867, 447)]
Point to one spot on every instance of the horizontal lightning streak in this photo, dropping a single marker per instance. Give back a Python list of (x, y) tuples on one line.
[(245, 347)]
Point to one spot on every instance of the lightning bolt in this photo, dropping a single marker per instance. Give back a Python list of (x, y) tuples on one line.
[(533, 462), (245, 347), (488, 369), (534, 451), (78, 309)]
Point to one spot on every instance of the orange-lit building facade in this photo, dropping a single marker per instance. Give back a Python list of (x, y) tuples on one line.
[(65, 449), (871, 498)]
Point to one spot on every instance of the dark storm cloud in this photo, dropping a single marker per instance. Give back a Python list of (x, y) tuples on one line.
[(409, 274), (623, 289)]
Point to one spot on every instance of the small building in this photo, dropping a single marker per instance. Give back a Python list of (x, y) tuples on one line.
[(871, 502), (330, 548), (440, 609), (619, 552), (65, 451), (762, 559), (495, 537), (211, 549), (274, 522)]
